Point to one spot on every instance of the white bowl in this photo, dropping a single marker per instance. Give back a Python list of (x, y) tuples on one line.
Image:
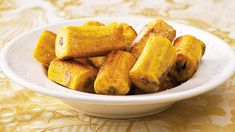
[(218, 64)]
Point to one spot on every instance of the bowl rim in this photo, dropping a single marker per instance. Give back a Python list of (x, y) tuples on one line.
[(132, 99)]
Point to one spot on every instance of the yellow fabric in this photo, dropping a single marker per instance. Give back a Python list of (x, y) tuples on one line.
[(24, 110)]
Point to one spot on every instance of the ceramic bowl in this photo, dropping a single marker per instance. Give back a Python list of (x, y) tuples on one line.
[(218, 64)]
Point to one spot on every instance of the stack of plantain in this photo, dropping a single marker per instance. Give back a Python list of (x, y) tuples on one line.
[(113, 60), (75, 55)]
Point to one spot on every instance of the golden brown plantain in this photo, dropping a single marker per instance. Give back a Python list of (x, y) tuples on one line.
[(154, 28), (189, 51), (152, 66), (113, 78), (72, 74), (44, 51), (90, 41)]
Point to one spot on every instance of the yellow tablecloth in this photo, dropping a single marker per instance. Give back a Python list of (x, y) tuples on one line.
[(24, 110)]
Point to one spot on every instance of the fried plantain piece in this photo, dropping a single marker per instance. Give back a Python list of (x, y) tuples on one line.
[(113, 78), (90, 41), (152, 66), (154, 28), (44, 52), (72, 74), (189, 51)]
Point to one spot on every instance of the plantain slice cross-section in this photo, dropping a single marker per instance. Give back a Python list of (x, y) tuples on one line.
[(113, 77), (189, 52), (152, 66)]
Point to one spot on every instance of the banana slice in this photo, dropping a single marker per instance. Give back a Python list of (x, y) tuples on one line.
[(90, 41), (44, 51), (72, 74), (152, 66), (189, 52), (113, 77)]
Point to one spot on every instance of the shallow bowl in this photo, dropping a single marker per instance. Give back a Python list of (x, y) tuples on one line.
[(218, 64)]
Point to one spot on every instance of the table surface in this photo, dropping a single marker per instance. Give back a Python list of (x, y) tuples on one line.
[(24, 110)]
